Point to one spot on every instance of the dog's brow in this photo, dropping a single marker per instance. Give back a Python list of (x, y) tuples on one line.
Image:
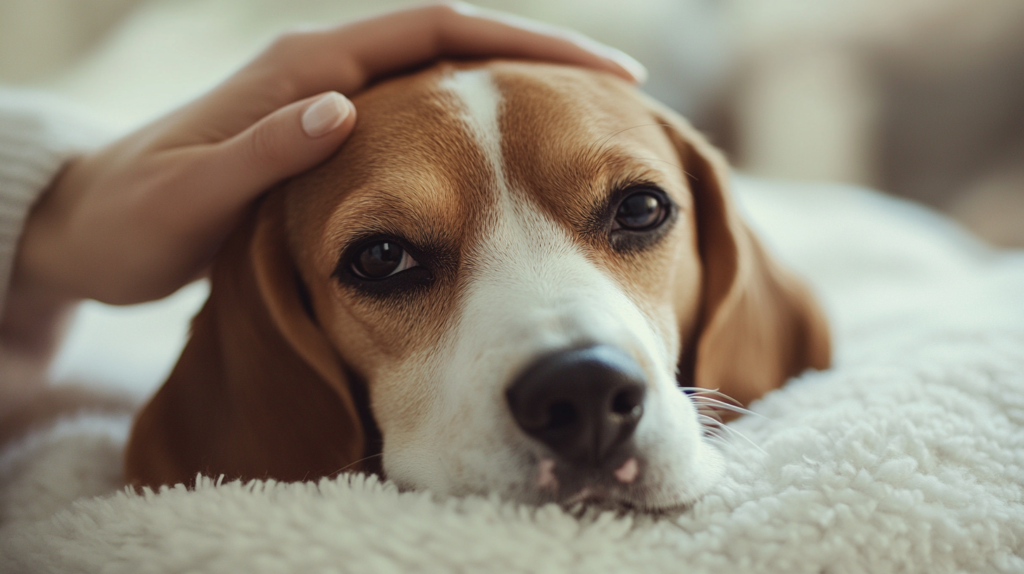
[(378, 219), (421, 234), (610, 170)]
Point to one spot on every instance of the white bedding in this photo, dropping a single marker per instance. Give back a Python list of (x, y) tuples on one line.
[(907, 456)]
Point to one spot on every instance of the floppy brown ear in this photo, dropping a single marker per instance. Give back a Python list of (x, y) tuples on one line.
[(258, 391), (760, 325)]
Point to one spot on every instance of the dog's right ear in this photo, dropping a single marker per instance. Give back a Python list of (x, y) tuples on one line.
[(760, 324), (258, 392)]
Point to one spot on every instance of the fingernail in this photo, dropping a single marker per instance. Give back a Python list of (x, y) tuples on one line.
[(624, 60), (325, 114), (634, 67)]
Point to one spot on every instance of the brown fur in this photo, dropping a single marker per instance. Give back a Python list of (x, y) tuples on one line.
[(270, 388)]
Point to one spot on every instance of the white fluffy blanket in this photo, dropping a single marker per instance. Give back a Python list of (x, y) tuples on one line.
[(907, 456)]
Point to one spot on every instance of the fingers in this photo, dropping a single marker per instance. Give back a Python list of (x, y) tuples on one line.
[(284, 143), (469, 34), (347, 57)]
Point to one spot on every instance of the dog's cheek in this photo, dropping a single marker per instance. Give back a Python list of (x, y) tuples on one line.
[(440, 428), (667, 339), (682, 466), (478, 433), (401, 402)]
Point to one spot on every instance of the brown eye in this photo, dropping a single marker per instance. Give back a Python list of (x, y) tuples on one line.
[(382, 259), (640, 211)]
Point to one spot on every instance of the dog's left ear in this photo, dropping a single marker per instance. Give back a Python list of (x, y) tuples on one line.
[(760, 325), (258, 392)]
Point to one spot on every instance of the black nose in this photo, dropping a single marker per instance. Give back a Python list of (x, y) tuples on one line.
[(583, 403)]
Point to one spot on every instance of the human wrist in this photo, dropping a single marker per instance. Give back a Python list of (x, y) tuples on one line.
[(37, 266), (37, 304), (38, 136)]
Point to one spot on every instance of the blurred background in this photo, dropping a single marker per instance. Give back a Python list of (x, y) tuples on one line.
[(919, 98)]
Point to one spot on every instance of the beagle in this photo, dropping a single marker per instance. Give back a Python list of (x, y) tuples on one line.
[(498, 284)]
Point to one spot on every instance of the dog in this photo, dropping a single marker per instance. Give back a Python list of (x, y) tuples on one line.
[(497, 285)]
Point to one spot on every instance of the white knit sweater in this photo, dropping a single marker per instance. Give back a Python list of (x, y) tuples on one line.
[(38, 134)]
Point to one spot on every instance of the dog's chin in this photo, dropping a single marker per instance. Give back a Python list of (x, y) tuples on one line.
[(598, 501), (599, 489), (600, 498), (578, 493), (634, 480)]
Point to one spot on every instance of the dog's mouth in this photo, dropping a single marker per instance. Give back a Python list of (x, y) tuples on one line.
[(571, 486)]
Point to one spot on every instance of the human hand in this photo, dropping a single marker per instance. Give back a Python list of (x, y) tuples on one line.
[(139, 218)]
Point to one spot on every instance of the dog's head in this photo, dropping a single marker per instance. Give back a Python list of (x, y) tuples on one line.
[(499, 283)]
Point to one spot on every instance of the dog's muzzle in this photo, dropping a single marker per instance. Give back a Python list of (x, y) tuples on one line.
[(584, 404)]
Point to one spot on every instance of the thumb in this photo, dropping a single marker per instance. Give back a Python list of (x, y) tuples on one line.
[(288, 141)]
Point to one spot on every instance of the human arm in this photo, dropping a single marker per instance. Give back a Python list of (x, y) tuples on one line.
[(135, 220)]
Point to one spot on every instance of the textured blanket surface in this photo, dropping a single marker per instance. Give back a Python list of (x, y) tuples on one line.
[(908, 456)]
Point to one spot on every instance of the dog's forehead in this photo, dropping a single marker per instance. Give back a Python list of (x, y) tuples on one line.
[(570, 134), (430, 149), (406, 158)]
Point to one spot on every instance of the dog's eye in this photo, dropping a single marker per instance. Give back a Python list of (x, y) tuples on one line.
[(640, 211), (382, 259)]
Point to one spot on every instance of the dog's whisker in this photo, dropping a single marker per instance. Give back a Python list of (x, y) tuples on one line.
[(353, 463), (710, 424), (698, 392), (718, 431), (719, 440), (711, 407), (735, 432), (716, 404), (709, 414), (709, 420)]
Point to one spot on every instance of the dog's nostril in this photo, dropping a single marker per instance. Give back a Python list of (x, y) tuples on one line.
[(628, 403), (583, 403)]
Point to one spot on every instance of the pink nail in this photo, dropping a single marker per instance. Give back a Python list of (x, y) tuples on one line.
[(325, 114)]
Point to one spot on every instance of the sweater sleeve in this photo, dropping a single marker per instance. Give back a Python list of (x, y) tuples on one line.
[(38, 134)]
